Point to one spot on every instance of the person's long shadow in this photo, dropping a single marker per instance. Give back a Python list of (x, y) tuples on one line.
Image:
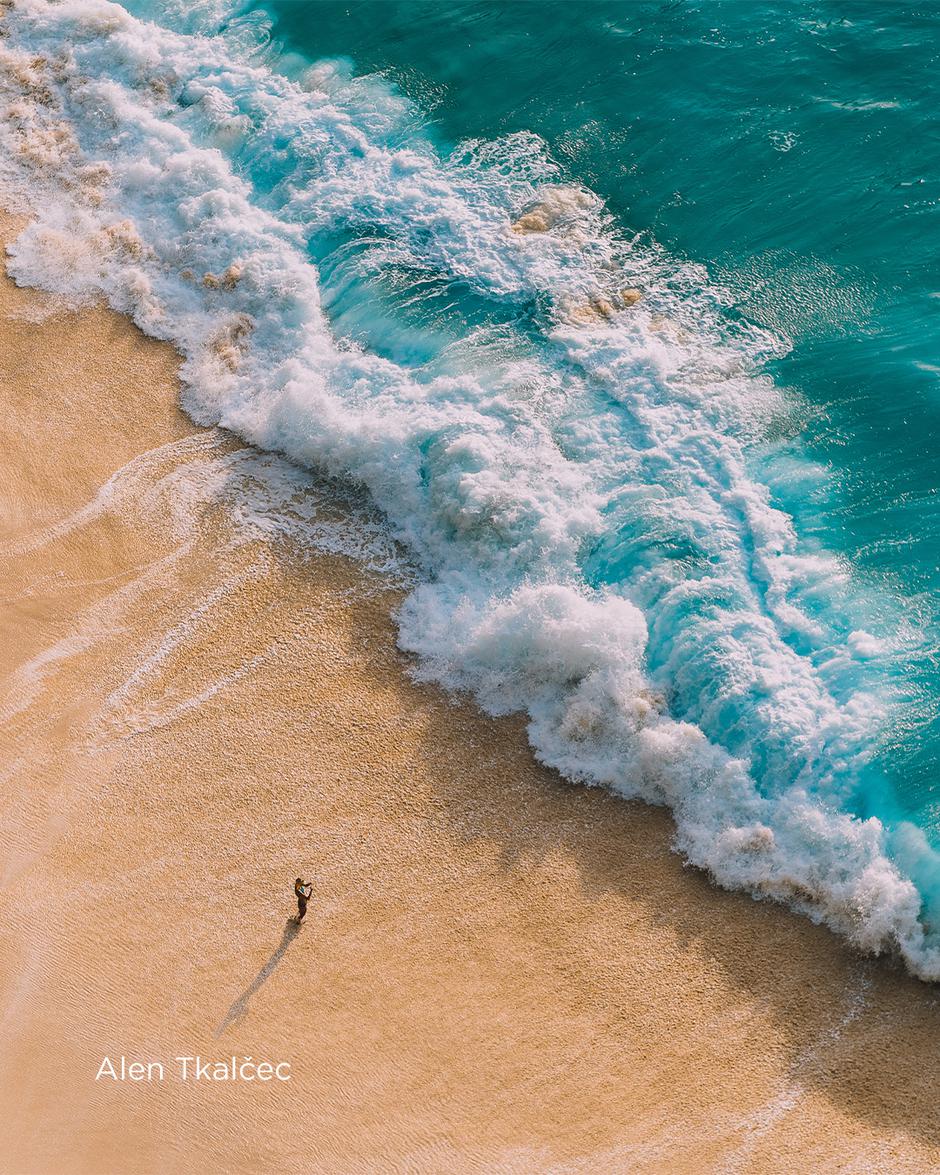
[(240, 1007)]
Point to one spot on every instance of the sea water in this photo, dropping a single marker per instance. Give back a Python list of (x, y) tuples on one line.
[(621, 314)]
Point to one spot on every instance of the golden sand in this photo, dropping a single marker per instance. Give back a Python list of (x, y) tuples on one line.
[(499, 972)]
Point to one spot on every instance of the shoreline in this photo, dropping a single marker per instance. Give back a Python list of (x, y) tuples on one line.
[(499, 970)]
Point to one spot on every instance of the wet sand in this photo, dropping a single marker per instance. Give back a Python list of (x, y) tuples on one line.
[(499, 972)]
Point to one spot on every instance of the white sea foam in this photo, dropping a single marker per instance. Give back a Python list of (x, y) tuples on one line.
[(569, 454)]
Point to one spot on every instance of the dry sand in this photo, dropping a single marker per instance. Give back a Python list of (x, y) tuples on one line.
[(499, 972)]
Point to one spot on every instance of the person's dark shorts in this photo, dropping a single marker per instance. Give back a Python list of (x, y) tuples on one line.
[(301, 906)]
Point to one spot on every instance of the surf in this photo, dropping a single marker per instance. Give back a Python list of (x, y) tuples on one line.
[(567, 429)]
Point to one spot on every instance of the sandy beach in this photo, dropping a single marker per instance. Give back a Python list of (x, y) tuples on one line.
[(499, 971)]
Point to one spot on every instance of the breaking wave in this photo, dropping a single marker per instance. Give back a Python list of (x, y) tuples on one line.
[(565, 426)]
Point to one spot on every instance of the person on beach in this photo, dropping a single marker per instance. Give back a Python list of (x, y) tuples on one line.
[(302, 890)]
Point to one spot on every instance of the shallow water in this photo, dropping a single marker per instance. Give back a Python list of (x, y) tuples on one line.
[(686, 528)]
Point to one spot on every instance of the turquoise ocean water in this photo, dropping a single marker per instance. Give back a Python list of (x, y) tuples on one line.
[(696, 537), (792, 148)]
